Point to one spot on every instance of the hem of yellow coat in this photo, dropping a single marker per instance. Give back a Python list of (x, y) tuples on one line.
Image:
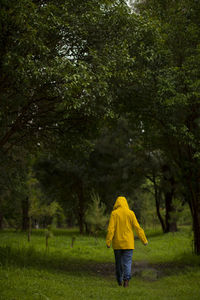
[(123, 248)]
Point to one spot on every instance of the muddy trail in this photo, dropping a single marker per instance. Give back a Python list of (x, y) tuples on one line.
[(141, 269)]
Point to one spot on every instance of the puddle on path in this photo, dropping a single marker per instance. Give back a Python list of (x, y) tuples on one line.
[(142, 269)]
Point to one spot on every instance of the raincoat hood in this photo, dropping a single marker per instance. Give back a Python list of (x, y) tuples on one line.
[(121, 202)]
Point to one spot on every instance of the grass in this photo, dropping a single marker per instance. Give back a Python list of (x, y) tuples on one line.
[(165, 269)]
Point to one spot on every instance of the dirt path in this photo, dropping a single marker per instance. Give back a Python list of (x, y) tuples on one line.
[(142, 269)]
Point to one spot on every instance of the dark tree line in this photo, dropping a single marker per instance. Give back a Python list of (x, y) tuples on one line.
[(93, 89)]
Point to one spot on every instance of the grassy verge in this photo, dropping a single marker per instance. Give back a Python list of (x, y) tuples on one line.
[(165, 269)]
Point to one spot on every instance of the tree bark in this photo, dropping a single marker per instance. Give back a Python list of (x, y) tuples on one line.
[(194, 203), (81, 220), (196, 228), (81, 206), (170, 221), (29, 228), (169, 189), (25, 216), (1, 220), (1, 216), (157, 200)]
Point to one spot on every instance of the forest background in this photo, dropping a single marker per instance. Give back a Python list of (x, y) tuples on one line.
[(99, 99)]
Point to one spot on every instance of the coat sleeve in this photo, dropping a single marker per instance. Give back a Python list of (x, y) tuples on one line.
[(139, 231), (110, 230)]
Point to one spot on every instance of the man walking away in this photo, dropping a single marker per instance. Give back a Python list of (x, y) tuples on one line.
[(120, 234)]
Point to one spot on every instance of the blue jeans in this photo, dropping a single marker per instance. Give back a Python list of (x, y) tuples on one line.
[(123, 262)]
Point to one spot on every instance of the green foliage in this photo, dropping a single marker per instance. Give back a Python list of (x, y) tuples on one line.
[(13, 185), (41, 208), (70, 70), (56, 59), (164, 96), (96, 216), (117, 164), (149, 218)]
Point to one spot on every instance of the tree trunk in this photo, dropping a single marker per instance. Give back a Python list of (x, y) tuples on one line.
[(157, 200), (194, 203), (29, 228), (81, 207), (170, 219), (169, 189), (81, 221), (1, 220), (25, 216), (190, 177), (87, 230), (1, 217), (196, 228)]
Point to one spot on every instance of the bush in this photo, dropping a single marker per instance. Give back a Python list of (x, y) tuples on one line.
[(96, 217)]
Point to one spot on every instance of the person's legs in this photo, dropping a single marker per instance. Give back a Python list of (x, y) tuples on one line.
[(126, 264), (118, 266)]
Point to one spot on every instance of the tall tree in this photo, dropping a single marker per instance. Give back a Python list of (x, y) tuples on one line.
[(168, 89), (55, 61)]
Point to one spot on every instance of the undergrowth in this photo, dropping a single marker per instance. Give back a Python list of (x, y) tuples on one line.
[(165, 269)]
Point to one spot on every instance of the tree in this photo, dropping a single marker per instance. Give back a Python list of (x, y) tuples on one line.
[(116, 166), (166, 95), (96, 217), (55, 62), (56, 59), (14, 193), (65, 178), (162, 175)]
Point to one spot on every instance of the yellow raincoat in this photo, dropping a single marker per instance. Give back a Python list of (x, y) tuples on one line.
[(121, 225)]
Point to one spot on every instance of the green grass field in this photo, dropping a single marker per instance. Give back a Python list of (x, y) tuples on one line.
[(165, 269)]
